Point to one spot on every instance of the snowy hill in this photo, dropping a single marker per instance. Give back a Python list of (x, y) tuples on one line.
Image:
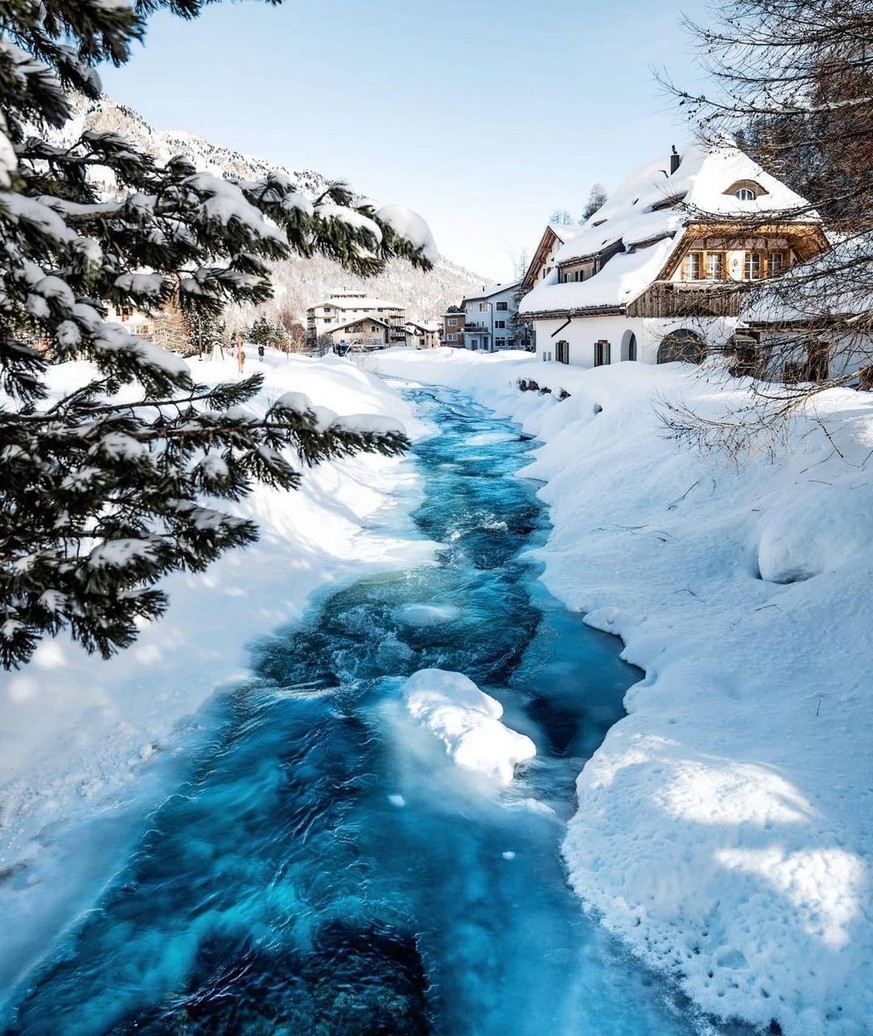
[(298, 282)]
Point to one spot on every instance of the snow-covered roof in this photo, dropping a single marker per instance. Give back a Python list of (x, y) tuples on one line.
[(645, 219), (423, 326), (358, 302), (494, 289), (359, 320), (835, 284), (564, 231)]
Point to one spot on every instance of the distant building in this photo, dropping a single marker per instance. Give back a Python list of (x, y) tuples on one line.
[(346, 307), (656, 273), (357, 335), (488, 317), (453, 327), (422, 335)]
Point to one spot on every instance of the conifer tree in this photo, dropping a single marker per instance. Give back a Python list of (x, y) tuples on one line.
[(109, 488)]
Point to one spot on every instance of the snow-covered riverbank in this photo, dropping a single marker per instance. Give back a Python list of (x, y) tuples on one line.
[(79, 736), (723, 828)]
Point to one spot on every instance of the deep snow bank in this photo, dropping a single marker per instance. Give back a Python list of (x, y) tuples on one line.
[(468, 722), (78, 735), (724, 827)]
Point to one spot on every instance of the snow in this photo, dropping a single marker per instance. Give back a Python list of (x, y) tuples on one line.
[(78, 735), (467, 721), (723, 828), (409, 224)]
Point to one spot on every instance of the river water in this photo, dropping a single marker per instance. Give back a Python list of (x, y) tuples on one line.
[(325, 869)]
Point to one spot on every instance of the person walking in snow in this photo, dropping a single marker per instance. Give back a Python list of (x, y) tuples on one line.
[(260, 354), (240, 354)]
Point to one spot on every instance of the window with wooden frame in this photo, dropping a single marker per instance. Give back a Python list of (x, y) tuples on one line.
[(562, 352), (753, 266), (715, 266), (693, 270), (776, 264), (601, 353)]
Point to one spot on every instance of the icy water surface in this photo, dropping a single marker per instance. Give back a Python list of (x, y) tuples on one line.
[(326, 870)]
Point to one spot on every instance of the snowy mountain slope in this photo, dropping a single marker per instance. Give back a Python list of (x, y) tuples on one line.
[(299, 282)]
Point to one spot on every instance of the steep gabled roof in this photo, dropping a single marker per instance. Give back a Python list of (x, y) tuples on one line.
[(486, 293), (645, 220), (359, 320)]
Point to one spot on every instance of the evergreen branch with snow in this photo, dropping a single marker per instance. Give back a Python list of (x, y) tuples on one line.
[(132, 475)]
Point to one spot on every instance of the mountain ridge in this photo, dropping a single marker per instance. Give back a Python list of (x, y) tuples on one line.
[(298, 282)]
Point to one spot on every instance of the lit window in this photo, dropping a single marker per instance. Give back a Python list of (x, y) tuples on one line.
[(746, 194)]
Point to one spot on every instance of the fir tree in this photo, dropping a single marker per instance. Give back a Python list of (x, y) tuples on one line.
[(596, 200), (109, 489)]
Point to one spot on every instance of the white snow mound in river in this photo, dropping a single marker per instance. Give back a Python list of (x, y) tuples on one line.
[(467, 721)]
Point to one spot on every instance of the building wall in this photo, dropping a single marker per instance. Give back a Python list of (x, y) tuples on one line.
[(487, 314), (321, 319), (453, 324), (583, 333), (371, 335)]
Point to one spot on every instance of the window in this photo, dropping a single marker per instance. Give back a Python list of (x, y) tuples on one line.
[(775, 264), (502, 305), (453, 321), (752, 266), (500, 323), (746, 194), (715, 266), (693, 266), (483, 307), (601, 353), (499, 343), (562, 352), (547, 357), (453, 338)]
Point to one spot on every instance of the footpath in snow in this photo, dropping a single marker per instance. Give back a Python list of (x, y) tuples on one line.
[(80, 737), (724, 827)]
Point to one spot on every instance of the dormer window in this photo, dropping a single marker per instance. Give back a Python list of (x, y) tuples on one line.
[(746, 190)]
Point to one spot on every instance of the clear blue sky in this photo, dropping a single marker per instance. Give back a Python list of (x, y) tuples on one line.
[(483, 116)]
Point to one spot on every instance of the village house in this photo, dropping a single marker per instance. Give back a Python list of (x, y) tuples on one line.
[(422, 335), (363, 334), (453, 327), (488, 317), (343, 308), (653, 274)]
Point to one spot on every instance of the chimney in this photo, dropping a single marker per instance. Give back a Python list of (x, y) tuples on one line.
[(675, 159)]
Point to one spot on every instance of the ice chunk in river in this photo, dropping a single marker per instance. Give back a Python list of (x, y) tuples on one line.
[(467, 721)]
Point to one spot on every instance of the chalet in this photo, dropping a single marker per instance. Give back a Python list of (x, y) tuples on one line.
[(657, 273), (363, 334), (422, 335), (488, 317), (346, 307)]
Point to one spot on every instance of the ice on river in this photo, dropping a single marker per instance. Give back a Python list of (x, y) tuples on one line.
[(429, 614), (467, 721)]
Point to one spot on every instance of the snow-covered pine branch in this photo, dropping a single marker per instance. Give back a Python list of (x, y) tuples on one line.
[(125, 478)]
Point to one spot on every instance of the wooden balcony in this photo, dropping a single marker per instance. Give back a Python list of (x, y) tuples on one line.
[(688, 299)]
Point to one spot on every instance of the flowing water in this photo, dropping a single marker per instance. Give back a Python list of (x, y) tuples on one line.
[(326, 869)]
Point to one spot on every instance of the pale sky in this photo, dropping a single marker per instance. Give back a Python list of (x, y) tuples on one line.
[(482, 116)]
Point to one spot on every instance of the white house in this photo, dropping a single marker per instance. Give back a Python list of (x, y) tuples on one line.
[(488, 317), (543, 262), (652, 275), (349, 306)]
